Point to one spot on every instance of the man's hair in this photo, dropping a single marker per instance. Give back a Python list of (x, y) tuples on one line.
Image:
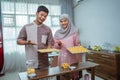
[(43, 8)]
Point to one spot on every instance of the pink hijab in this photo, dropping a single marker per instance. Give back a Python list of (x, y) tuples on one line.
[(62, 33)]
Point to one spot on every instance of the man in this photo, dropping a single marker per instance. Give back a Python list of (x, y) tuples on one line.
[(37, 35)]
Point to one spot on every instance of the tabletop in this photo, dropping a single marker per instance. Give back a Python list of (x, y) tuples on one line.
[(57, 71)]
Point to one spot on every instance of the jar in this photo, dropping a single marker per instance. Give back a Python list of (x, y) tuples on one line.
[(30, 68)]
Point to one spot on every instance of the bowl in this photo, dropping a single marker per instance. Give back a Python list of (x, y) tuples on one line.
[(32, 75), (72, 67)]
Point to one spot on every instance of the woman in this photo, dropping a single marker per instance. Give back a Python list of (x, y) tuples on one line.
[(64, 38)]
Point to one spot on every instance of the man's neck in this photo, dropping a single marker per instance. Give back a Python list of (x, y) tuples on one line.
[(37, 22)]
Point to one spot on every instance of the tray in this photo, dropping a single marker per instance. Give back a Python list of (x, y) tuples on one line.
[(78, 49), (48, 50)]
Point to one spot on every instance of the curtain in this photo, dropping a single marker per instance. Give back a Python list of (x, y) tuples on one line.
[(67, 7), (14, 55), (1, 51), (13, 18)]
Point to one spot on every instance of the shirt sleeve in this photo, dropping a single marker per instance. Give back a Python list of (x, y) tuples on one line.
[(22, 34), (56, 43), (76, 39)]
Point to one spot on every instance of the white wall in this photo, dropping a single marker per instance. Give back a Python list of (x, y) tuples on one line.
[(98, 21)]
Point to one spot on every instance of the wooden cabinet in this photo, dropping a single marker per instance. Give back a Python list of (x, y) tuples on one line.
[(109, 68)]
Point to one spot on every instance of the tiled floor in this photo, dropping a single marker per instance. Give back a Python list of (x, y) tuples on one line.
[(10, 76)]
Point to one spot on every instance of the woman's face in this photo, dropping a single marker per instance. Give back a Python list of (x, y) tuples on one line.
[(64, 23), (41, 17)]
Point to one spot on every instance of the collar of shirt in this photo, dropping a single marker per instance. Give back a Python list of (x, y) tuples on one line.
[(37, 25)]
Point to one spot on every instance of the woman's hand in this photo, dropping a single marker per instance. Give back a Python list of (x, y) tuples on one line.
[(59, 43)]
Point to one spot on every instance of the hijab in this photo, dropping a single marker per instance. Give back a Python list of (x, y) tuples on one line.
[(69, 30)]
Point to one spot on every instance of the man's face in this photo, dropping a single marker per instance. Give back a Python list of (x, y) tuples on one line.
[(41, 16)]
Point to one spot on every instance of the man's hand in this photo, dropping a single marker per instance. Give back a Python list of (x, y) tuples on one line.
[(29, 42)]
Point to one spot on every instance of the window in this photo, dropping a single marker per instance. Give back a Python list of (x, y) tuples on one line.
[(14, 17)]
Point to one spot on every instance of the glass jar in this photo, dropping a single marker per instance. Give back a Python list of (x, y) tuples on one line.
[(30, 68), (30, 63)]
